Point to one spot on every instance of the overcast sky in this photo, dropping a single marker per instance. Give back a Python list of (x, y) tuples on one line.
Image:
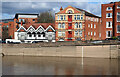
[(9, 9)]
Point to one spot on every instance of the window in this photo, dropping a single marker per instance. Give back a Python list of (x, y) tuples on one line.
[(19, 20), (91, 33), (94, 33), (88, 33), (7, 26), (69, 11), (63, 25), (118, 17), (76, 25), (109, 24), (80, 33), (61, 33), (99, 34), (108, 33), (88, 25), (94, 25), (81, 17), (118, 6), (39, 35), (19, 25), (109, 15), (33, 19), (58, 17), (118, 28), (80, 25), (76, 33), (109, 8), (61, 17), (30, 35), (78, 17), (64, 17), (75, 17), (91, 25), (59, 25)]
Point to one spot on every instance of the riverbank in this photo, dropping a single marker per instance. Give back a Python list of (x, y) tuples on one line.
[(94, 51)]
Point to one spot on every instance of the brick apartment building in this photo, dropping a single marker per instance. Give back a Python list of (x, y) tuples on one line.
[(74, 24), (110, 20), (22, 18), (7, 25)]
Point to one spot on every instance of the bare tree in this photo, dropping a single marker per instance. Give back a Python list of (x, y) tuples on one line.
[(46, 17)]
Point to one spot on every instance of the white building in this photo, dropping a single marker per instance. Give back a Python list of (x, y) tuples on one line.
[(36, 32)]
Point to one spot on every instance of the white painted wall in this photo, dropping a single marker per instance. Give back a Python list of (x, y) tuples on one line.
[(27, 16)]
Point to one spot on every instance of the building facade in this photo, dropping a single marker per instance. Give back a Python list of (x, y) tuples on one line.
[(7, 28), (72, 24), (21, 19), (110, 20), (35, 32)]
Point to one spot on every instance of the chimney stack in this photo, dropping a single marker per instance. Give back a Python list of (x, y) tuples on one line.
[(61, 8)]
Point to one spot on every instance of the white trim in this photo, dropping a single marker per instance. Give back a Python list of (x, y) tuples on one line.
[(31, 27), (40, 27), (50, 27), (21, 28)]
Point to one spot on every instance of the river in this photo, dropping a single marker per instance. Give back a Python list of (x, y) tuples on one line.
[(21, 65)]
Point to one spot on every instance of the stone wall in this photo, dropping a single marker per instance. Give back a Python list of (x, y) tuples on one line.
[(101, 51)]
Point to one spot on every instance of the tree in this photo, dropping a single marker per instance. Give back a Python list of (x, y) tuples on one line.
[(5, 34), (46, 17)]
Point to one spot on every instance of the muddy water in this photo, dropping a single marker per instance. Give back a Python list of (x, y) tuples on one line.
[(19, 65)]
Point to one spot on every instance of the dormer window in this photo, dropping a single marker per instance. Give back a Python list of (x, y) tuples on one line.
[(109, 8), (70, 11)]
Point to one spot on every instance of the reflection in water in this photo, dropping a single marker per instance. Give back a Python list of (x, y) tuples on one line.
[(18, 65)]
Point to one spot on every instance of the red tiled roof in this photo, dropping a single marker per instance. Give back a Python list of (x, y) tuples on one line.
[(36, 25)]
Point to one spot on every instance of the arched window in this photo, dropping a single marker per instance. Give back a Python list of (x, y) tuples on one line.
[(69, 11), (63, 25), (80, 25), (43, 34), (34, 34), (59, 25), (76, 25)]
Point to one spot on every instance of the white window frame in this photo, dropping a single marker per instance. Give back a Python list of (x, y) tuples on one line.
[(88, 33), (64, 17), (117, 29), (94, 33), (118, 13), (61, 17), (107, 34), (80, 25), (81, 17), (118, 6), (76, 25), (91, 25), (58, 17), (91, 33), (94, 25), (107, 15), (109, 9), (76, 33), (80, 33), (88, 25), (75, 18), (78, 17), (107, 24)]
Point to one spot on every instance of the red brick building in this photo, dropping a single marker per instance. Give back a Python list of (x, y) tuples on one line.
[(7, 24), (22, 18), (74, 24), (110, 20)]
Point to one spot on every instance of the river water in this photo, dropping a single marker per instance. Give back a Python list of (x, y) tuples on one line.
[(19, 65)]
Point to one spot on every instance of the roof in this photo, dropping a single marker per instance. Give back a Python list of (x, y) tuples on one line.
[(87, 13), (36, 25), (6, 20), (16, 15)]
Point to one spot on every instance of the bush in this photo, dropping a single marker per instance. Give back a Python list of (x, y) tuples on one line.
[(115, 38)]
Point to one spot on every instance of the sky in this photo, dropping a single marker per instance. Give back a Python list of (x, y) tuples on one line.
[(10, 7)]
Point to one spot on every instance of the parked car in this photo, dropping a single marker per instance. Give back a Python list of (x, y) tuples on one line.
[(36, 41)]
